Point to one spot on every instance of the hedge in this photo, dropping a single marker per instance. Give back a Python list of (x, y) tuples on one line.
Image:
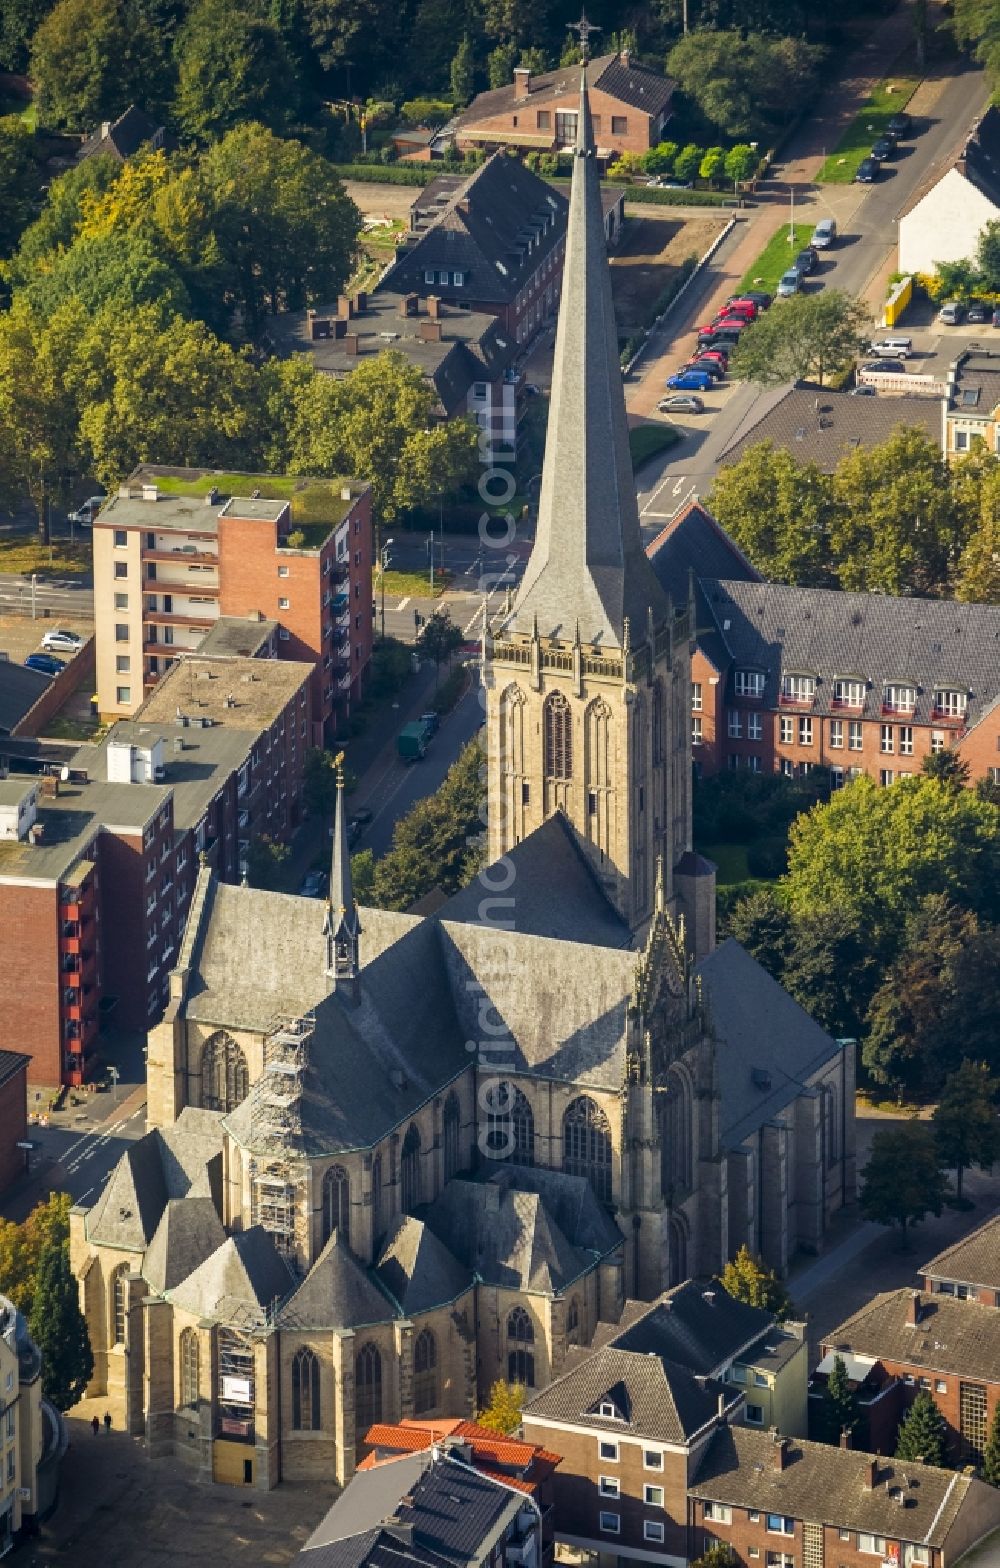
[(673, 198), (401, 174)]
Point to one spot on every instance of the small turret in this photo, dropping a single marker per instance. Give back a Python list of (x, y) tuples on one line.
[(341, 924)]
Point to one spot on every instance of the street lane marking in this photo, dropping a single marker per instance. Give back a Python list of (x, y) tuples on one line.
[(402, 604)]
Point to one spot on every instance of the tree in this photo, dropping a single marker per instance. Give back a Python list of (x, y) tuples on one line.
[(922, 1432), (18, 181), (946, 766), (976, 25), (744, 85), (439, 637), (712, 165), (965, 1120), (811, 335), (439, 841), (977, 575), (746, 1278), (718, 1555), (991, 1453), (839, 1409), (903, 1181), (687, 162), (779, 511), (91, 58), (59, 1329), (319, 782), (503, 1413), (118, 270), (231, 67), (265, 858), (60, 217), (661, 158), (19, 21), (828, 944), (741, 161), (363, 876), (38, 413), (500, 63), (763, 924), (463, 72), (22, 1246)]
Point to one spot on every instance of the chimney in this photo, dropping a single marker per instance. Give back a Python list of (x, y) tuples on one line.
[(360, 302), (845, 1437), (871, 1475), (431, 331), (913, 1309), (105, 128), (409, 305), (626, 58), (351, 343), (344, 307), (433, 307), (522, 82), (339, 328), (781, 1453), (319, 327)]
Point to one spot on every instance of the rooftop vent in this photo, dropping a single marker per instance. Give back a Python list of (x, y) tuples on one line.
[(150, 493), (345, 492)]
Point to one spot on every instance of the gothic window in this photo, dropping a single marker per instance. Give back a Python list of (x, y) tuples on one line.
[(587, 1145), (377, 1195), (409, 1170), (675, 1133), (598, 724), (573, 1323), (676, 1252), (659, 746), (336, 1203), (452, 1136), (830, 1114), (119, 1301), (189, 1357), (512, 730), (520, 1355), (367, 1389), (510, 1126), (558, 738), (305, 1391), (224, 1078), (424, 1373)]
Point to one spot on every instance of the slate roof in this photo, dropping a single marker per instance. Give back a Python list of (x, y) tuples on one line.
[(927, 643), (632, 84), (338, 1292), (20, 689), (587, 573), (239, 1283), (378, 1548), (837, 427), (974, 391), (959, 1337), (694, 544), (179, 1161), (699, 1325), (982, 155), (417, 1269), (822, 1484), (483, 231), (12, 1063), (757, 1026), (189, 1231), (654, 1398), (975, 1260), (508, 1231), (126, 135)]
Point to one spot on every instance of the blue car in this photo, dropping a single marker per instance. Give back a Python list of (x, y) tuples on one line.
[(690, 381), (44, 663)]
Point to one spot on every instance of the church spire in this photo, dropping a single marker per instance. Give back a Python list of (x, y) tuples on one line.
[(341, 925), (587, 564)]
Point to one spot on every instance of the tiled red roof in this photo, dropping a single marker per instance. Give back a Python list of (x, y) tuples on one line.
[(389, 1442)]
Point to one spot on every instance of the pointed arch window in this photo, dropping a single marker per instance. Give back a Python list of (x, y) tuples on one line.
[(336, 1203), (424, 1373), (520, 1348), (452, 1136), (224, 1077), (510, 1125), (658, 737), (573, 1323), (409, 1170), (367, 1389), (377, 1196), (190, 1357), (558, 737), (119, 1303), (305, 1391), (587, 1145), (675, 1133)]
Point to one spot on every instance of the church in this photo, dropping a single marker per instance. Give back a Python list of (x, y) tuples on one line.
[(391, 1157)]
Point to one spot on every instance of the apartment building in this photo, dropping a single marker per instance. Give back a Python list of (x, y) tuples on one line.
[(97, 864), (32, 1436), (175, 549)]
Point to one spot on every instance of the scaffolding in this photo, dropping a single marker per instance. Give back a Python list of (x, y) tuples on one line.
[(278, 1171)]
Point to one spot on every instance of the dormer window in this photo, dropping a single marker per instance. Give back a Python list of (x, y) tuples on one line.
[(608, 1410), (849, 693), (900, 699), (749, 683), (952, 703), (798, 688)]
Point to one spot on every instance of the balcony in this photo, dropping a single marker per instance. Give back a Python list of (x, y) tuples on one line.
[(184, 586), (181, 557), (169, 618), (803, 704), (954, 720), (894, 710), (166, 650)]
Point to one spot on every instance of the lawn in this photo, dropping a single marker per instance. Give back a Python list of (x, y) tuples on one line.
[(731, 860), (417, 584), (645, 441), (776, 258), (888, 98), (24, 554)]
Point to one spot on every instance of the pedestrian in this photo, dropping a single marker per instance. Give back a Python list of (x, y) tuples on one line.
[(96, 1426), (107, 1421)]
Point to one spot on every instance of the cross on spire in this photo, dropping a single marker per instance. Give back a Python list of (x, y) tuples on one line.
[(583, 30)]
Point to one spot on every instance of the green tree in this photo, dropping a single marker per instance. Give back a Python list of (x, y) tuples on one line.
[(741, 161), (830, 970), (363, 876), (991, 1453), (712, 166), (439, 841), (59, 1329), (718, 1555), (439, 638), (988, 257), (19, 21), (745, 85), (976, 25), (896, 530), (121, 270), (22, 1246), (91, 58), (965, 1121), (922, 1432), (977, 574), (265, 858), (810, 336), (319, 782), (839, 1409), (463, 69), (503, 1413), (38, 413), (903, 1181), (688, 162), (661, 158), (779, 511), (54, 228), (231, 67), (747, 1279), (763, 924), (500, 63), (946, 766), (18, 182)]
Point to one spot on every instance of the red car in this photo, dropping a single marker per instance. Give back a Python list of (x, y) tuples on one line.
[(714, 353), (745, 312), (741, 303)]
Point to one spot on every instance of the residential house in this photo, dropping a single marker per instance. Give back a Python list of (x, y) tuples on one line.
[(630, 107), (969, 1270), (431, 1509), (121, 139), (972, 407), (946, 222), (431, 201), (175, 549), (822, 427)]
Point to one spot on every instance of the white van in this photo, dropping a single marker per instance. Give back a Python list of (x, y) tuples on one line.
[(892, 347)]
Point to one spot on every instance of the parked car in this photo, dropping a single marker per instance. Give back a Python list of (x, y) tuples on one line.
[(685, 403), (63, 641), (742, 309), (690, 381), (664, 183), (806, 261), (720, 355), (712, 366), (789, 283), (884, 148), (892, 367), (44, 663), (364, 814), (824, 234), (899, 125), (85, 513), (952, 313), (892, 348), (761, 299), (979, 312), (868, 171), (313, 885)]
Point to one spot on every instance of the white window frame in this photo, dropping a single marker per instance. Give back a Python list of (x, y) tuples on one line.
[(648, 1499), (755, 726), (837, 734), (855, 735), (654, 1455), (906, 740), (951, 702), (607, 1443), (899, 699), (798, 688), (696, 696), (653, 1530), (850, 692), (719, 1513), (734, 724), (609, 1523), (749, 683), (787, 728), (609, 1486), (805, 732)]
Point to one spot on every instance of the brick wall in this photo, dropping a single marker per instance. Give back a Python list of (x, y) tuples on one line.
[(980, 748), (13, 1125), (751, 1541), (81, 670), (125, 925), (29, 977), (618, 127)]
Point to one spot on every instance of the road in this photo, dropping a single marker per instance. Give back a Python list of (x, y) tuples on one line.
[(78, 1155), (402, 784)]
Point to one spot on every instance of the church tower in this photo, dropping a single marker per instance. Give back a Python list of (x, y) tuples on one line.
[(588, 678), (341, 924)]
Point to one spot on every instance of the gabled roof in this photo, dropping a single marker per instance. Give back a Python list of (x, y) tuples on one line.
[(822, 427), (959, 1337), (240, 1283), (653, 1398), (189, 1232), (417, 1269), (519, 1461), (169, 1162), (338, 1292), (975, 1260), (699, 1325), (632, 84), (823, 1484), (982, 156), (768, 1046), (123, 137)]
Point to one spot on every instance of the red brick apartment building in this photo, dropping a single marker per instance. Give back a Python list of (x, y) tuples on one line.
[(788, 679), (97, 868), (174, 550), (630, 106)]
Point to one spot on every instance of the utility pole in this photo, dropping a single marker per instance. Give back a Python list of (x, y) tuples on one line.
[(34, 580)]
